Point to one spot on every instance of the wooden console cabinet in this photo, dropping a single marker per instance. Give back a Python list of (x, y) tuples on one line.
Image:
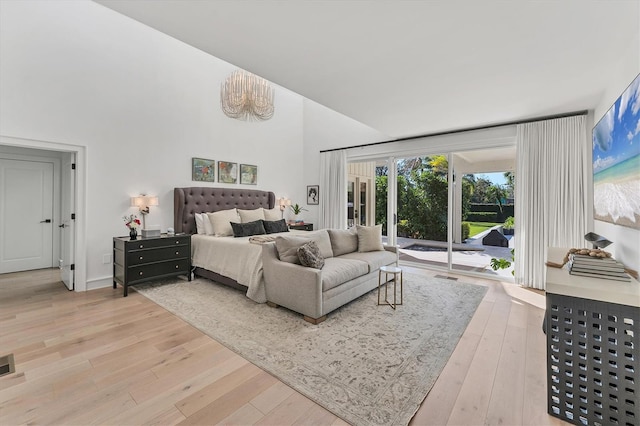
[(144, 259), (593, 366)]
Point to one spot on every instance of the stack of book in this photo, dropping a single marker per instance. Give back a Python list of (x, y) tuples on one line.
[(596, 267)]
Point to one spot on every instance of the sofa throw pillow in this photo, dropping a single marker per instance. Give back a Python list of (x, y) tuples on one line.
[(272, 214), (248, 229), (343, 241), (369, 238), (273, 226), (251, 215), (221, 222), (309, 255), (287, 247)]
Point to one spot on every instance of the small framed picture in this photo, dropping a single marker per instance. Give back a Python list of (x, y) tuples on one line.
[(227, 172), (313, 194), (248, 174), (203, 170)]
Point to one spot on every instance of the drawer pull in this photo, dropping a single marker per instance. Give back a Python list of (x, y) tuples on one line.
[(177, 266), (141, 257), (141, 273), (141, 245), (177, 241), (177, 252)]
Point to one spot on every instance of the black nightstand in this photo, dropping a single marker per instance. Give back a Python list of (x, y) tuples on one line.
[(302, 227), (144, 259)]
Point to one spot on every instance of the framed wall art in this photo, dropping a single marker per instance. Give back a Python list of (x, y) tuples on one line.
[(227, 172), (313, 194), (248, 174), (203, 170)]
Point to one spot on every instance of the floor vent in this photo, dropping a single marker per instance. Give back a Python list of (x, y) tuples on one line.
[(447, 278), (7, 365)]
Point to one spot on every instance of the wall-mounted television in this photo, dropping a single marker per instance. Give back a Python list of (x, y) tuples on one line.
[(616, 161)]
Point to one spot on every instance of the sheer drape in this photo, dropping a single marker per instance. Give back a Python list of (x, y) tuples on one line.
[(333, 187), (551, 182)]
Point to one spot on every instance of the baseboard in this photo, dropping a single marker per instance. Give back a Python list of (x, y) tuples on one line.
[(97, 283)]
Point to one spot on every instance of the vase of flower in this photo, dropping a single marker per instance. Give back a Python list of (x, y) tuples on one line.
[(132, 222)]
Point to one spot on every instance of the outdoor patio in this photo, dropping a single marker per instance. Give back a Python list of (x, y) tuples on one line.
[(469, 256)]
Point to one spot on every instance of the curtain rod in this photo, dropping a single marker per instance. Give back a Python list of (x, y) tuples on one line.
[(469, 129)]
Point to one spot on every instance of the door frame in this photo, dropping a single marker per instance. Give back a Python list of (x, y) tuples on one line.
[(80, 245)]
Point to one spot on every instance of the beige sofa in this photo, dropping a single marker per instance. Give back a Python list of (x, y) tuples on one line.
[(351, 264)]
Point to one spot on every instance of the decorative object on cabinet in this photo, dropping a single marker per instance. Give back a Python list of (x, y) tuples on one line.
[(227, 172), (245, 96), (283, 203), (203, 170), (150, 258), (248, 174), (143, 202), (598, 241), (313, 194)]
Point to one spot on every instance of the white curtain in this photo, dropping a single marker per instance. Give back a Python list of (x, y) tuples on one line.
[(333, 187), (552, 178)]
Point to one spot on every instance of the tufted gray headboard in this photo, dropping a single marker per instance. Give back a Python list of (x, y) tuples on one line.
[(189, 201)]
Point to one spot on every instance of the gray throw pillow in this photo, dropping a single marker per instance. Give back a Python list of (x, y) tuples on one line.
[(248, 229), (343, 241), (369, 238), (273, 226), (309, 255)]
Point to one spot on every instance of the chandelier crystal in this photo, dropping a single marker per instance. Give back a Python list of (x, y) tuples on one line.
[(247, 97)]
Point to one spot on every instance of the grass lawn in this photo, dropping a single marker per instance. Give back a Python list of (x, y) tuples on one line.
[(478, 227)]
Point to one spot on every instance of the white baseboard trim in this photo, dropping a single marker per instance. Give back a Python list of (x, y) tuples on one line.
[(97, 283)]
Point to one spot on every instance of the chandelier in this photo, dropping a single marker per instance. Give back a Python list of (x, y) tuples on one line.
[(247, 97)]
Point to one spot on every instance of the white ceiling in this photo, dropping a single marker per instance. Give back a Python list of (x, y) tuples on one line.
[(409, 68)]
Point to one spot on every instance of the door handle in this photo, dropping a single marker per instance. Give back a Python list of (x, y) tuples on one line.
[(46, 221), (61, 226)]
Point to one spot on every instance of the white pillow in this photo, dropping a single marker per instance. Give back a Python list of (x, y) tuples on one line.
[(200, 223), (221, 222), (208, 229), (247, 216), (273, 214), (369, 238)]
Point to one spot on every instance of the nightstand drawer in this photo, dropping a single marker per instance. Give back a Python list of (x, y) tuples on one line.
[(148, 271), (143, 243), (139, 257)]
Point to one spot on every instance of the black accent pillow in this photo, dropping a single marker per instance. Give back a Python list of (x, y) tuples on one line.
[(248, 229), (309, 255), (273, 226)]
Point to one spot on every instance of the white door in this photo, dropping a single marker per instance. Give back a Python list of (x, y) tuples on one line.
[(67, 224), (26, 215)]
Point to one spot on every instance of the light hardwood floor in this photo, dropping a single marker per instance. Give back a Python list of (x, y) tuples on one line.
[(99, 358)]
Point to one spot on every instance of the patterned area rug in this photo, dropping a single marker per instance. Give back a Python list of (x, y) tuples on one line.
[(368, 364)]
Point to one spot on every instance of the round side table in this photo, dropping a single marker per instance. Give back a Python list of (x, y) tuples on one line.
[(389, 270)]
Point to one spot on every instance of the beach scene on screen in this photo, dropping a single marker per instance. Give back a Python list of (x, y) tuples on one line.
[(616, 161)]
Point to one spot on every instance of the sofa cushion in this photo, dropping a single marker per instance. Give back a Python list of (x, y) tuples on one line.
[(343, 241), (369, 238), (288, 245), (374, 259), (272, 214), (338, 270), (309, 255)]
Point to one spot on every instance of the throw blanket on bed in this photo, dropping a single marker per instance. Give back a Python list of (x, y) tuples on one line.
[(261, 239)]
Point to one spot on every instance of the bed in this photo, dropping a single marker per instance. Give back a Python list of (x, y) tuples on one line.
[(231, 261)]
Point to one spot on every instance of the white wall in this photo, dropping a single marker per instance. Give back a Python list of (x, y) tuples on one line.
[(326, 129), (141, 102), (626, 247)]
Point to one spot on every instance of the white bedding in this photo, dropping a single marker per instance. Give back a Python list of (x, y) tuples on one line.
[(235, 258)]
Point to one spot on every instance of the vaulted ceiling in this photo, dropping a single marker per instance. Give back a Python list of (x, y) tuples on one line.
[(409, 68)]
